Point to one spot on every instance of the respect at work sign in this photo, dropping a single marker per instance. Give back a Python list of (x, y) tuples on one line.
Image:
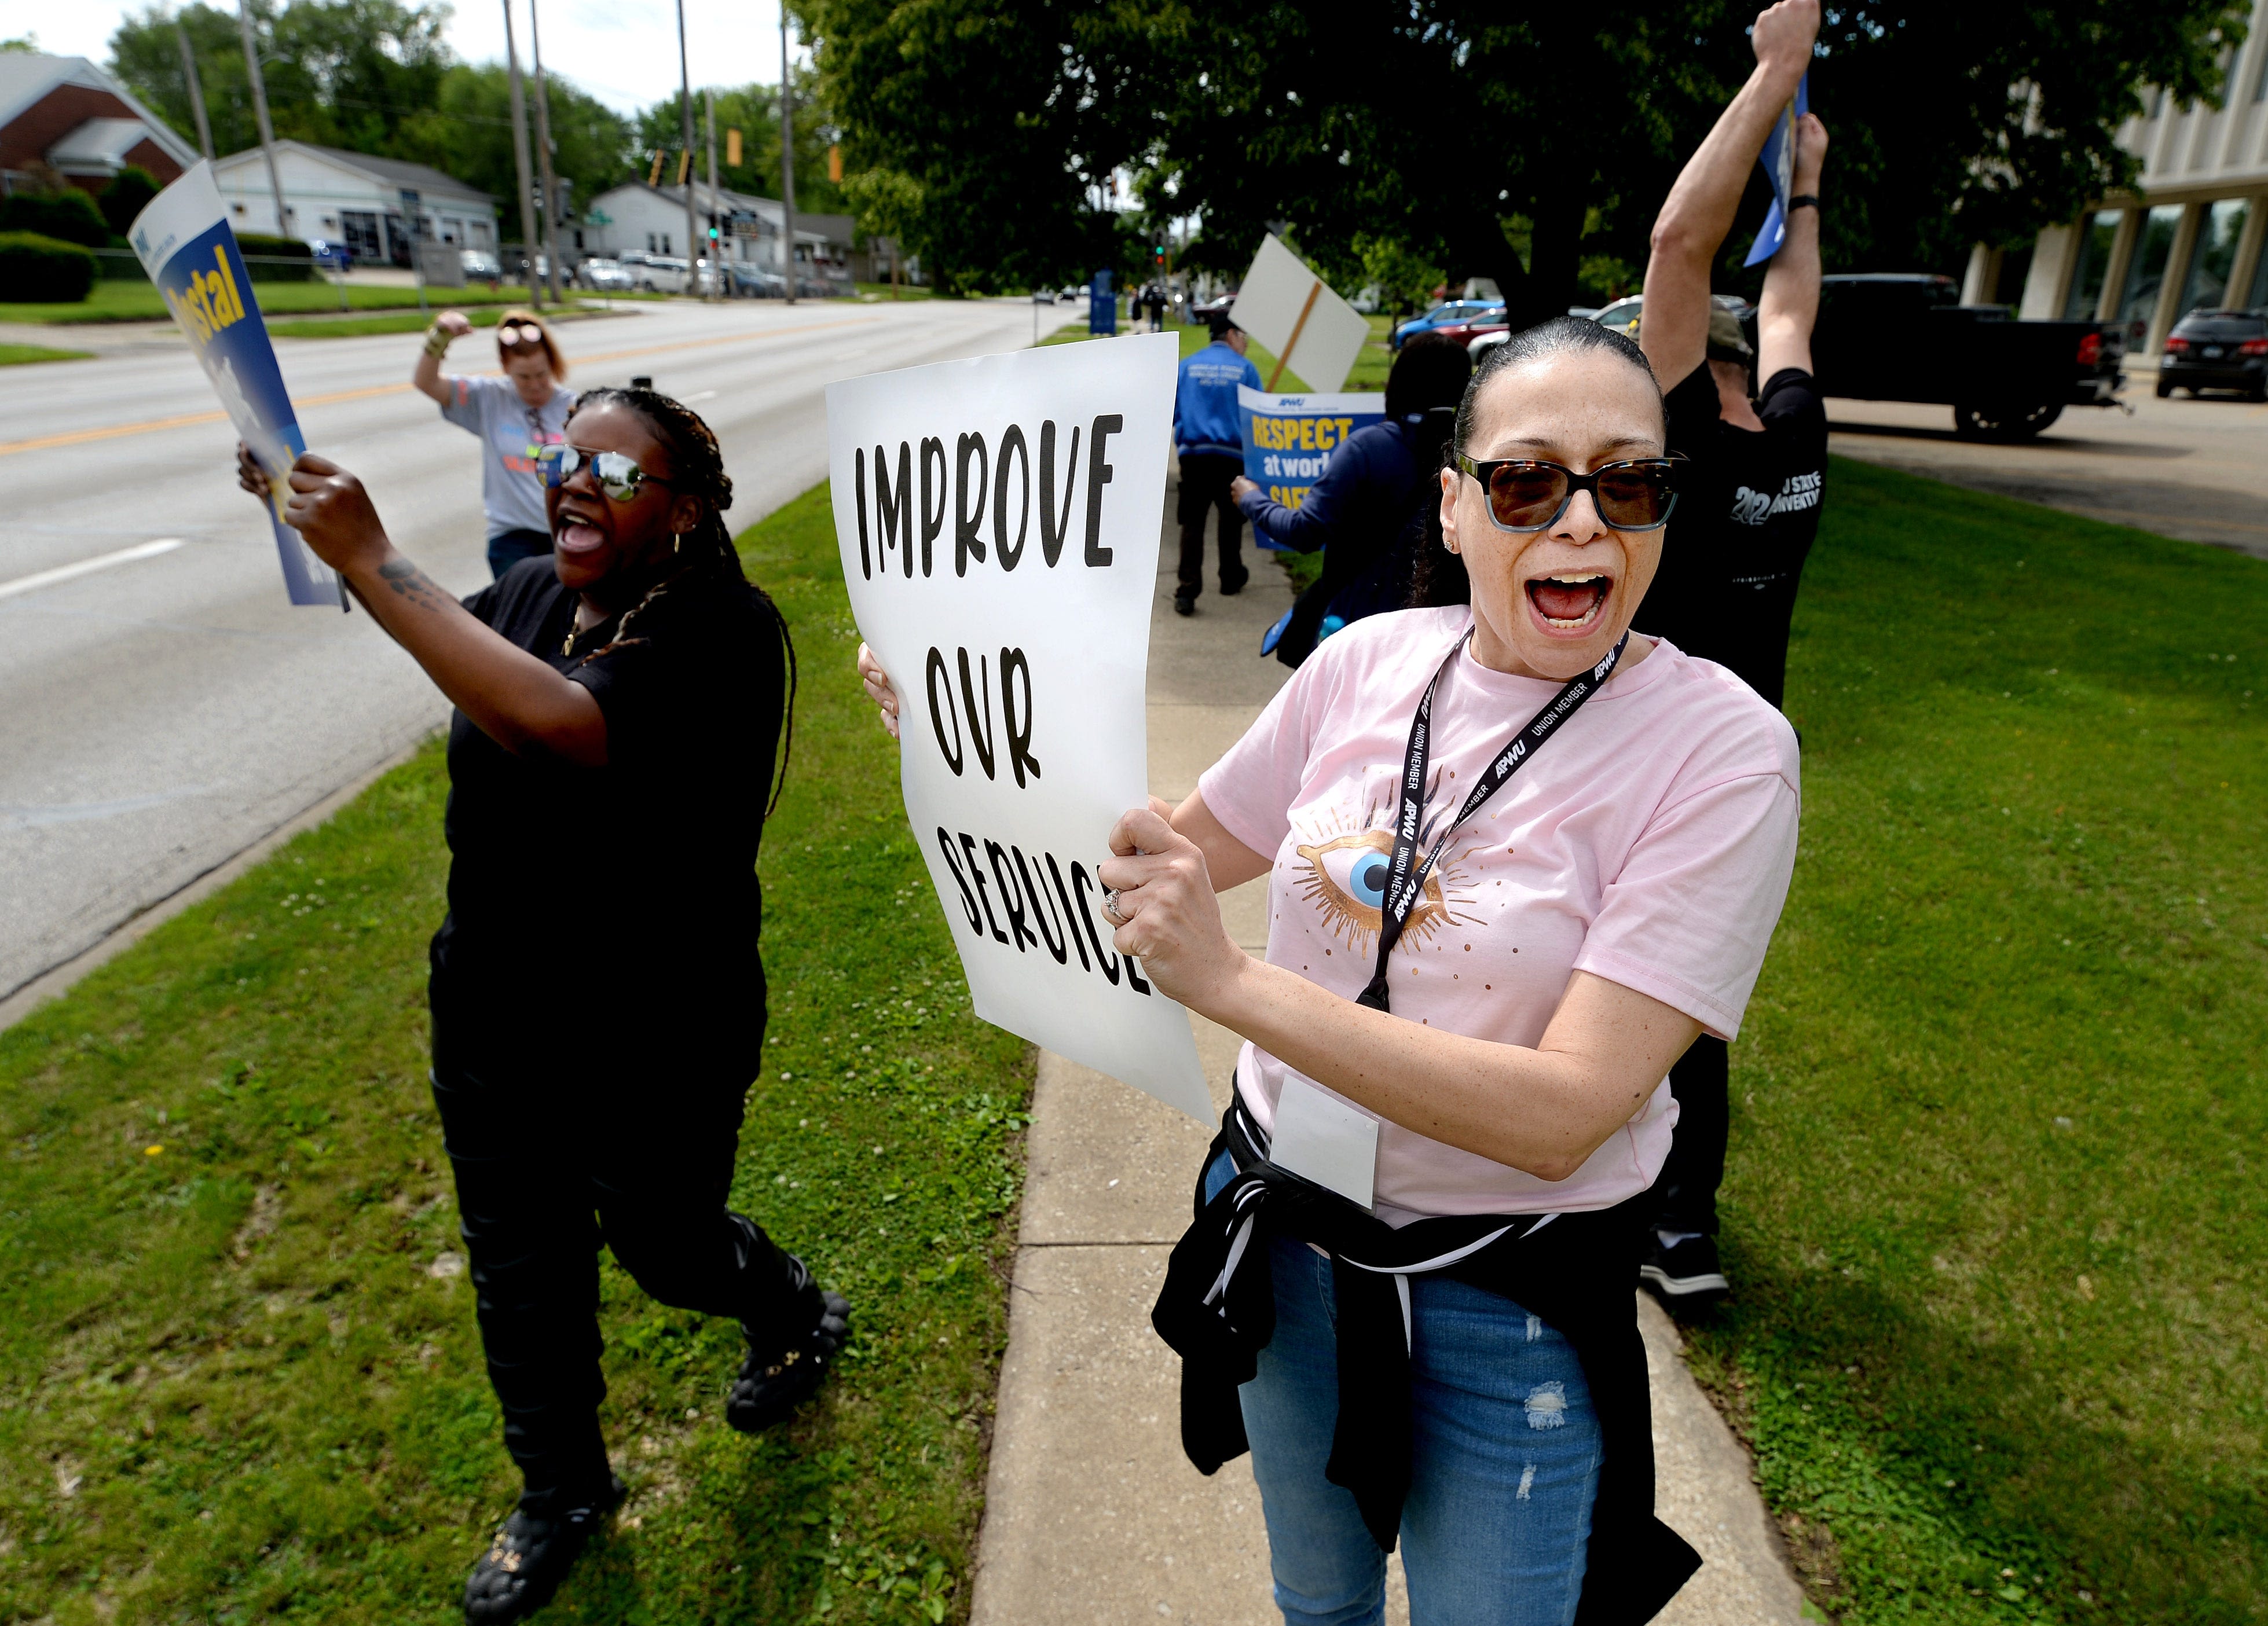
[(1289, 438), (186, 245), (998, 520)]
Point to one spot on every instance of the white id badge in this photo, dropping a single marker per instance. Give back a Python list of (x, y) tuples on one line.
[(1320, 1138)]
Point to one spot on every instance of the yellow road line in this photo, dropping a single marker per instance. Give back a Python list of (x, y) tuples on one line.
[(81, 437)]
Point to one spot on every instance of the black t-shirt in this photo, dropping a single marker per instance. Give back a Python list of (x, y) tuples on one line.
[(1748, 509), (625, 897)]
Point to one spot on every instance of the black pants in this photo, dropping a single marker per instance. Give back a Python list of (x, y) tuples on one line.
[(554, 1156), (1686, 1195), (507, 549), (1205, 477)]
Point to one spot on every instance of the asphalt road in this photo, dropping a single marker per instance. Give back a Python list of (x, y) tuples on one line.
[(2194, 470), (161, 713)]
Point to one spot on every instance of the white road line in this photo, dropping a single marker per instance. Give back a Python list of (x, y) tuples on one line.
[(38, 579)]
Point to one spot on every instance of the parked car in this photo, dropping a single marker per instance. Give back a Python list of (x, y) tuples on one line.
[(1367, 301), (656, 273), (604, 276), (1449, 312), (481, 267), (2217, 350), (753, 282), (330, 254), (1906, 337)]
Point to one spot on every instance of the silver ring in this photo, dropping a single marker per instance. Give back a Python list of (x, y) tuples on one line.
[(1110, 906)]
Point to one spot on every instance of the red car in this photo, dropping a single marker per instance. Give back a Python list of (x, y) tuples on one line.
[(1470, 328)]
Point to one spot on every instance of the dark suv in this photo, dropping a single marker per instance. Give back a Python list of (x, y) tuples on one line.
[(2217, 350)]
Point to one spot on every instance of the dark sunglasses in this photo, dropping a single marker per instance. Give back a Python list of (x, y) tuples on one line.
[(1527, 494), (618, 474)]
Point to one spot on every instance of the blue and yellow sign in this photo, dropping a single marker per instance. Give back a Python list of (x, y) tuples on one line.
[(1288, 439), (187, 246)]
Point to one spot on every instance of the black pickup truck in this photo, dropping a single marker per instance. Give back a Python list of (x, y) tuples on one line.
[(1901, 337)]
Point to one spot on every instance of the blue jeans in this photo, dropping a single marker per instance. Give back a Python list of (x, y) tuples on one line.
[(1505, 1465)]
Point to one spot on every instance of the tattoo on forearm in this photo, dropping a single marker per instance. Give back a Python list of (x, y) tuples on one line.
[(412, 583)]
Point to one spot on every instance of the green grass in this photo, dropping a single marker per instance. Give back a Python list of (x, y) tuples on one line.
[(237, 1379), (906, 291), (135, 300), (407, 321), (1994, 1210), (17, 355)]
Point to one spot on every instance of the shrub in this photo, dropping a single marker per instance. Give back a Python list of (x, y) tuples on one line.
[(42, 271), (129, 196), (259, 250), (69, 214)]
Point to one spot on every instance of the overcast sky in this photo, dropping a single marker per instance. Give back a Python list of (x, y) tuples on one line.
[(624, 52)]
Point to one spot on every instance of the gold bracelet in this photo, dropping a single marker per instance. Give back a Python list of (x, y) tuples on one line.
[(436, 341)]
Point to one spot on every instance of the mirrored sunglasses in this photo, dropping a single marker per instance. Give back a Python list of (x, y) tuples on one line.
[(511, 335), (1529, 495), (617, 473)]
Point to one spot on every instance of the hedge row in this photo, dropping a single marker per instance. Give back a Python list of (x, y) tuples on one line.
[(35, 269)]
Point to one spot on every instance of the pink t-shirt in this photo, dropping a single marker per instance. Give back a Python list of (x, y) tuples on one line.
[(1648, 842)]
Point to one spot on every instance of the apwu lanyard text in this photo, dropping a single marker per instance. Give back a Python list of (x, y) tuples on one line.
[(1404, 885)]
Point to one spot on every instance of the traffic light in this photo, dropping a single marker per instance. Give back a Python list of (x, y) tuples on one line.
[(1158, 253)]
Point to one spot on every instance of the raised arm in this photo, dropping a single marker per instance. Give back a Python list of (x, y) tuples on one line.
[(1674, 331), (1789, 308), (426, 376), (518, 700)]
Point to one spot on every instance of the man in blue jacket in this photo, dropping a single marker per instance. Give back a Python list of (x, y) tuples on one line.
[(1209, 442)]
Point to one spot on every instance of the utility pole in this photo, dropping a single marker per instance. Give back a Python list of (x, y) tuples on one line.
[(787, 157), (197, 91), (543, 157), (260, 106), (685, 166), (715, 204), (519, 154)]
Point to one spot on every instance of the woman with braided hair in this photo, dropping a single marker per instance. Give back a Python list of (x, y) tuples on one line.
[(597, 995)]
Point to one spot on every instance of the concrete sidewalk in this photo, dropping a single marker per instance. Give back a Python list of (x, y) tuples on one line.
[(1093, 1515)]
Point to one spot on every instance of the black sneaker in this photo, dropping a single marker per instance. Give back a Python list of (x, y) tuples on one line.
[(1685, 1275), (1185, 604), (774, 1381), (529, 1558)]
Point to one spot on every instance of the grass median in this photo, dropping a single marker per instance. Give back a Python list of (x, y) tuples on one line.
[(238, 1374), (1993, 1209), (24, 355)]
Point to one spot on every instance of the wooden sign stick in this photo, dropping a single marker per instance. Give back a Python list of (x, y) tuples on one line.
[(1292, 342)]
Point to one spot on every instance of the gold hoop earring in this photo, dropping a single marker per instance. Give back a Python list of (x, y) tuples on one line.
[(677, 542)]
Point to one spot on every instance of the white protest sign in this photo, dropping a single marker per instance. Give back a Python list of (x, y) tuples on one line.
[(998, 521), (1291, 311)]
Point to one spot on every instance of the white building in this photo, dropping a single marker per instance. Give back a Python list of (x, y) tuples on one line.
[(651, 219), (355, 199), (2190, 234)]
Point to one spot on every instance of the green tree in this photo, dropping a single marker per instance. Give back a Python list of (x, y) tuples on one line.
[(370, 76), (129, 193), (979, 133)]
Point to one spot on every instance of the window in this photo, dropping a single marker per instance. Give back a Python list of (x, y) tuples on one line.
[(2215, 256), (2092, 260), (361, 232), (2146, 271)]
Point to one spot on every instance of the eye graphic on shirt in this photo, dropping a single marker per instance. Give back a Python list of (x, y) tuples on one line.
[(1345, 877)]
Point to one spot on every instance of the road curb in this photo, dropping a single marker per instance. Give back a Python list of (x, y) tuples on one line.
[(59, 980)]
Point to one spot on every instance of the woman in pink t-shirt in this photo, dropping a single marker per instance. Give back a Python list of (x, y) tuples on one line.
[(1409, 1285)]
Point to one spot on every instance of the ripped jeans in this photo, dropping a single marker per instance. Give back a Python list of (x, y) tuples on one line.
[(1506, 1465)]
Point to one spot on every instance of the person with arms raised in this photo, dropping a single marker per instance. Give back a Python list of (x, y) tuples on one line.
[(516, 417), (597, 992), (1518, 856), (1749, 511)]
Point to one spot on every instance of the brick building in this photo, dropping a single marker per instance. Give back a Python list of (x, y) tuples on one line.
[(65, 115)]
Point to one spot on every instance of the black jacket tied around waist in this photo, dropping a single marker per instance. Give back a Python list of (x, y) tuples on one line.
[(1578, 1272)]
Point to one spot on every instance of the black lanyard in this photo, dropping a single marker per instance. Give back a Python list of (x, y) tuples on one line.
[(1404, 885)]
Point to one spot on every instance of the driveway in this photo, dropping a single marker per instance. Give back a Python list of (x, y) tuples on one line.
[(2195, 470)]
